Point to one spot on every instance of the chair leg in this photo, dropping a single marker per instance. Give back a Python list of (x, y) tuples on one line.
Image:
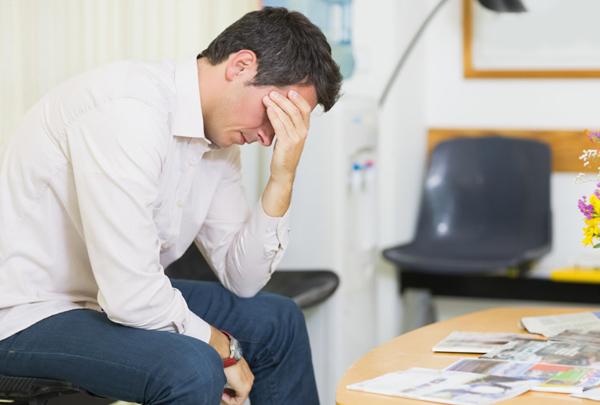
[(419, 309)]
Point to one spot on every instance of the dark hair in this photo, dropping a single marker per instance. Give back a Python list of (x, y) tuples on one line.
[(289, 48)]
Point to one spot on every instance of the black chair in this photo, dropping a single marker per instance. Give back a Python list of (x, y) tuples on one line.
[(306, 287), (32, 391), (485, 211)]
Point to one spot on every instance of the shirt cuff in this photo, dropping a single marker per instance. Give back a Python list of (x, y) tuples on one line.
[(274, 231), (273, 226), (196, 327)]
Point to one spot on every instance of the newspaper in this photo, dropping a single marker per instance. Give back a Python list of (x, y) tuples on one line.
[(554, 324), (449, 387), (579, 336), (550, 377), (553, 352), (593, 394), (477, 342)]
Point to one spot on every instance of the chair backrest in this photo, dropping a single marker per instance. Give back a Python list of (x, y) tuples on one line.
[(192, 266), (487, 190)]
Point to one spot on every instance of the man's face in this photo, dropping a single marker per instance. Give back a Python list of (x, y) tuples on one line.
[(242, 116)]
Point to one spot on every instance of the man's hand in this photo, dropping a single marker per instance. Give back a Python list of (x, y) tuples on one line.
[(239, 377), (289, 117)]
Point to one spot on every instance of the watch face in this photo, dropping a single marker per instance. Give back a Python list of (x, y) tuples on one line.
[(236, 349)]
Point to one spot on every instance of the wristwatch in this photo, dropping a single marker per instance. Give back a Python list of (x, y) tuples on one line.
[(235, 351)]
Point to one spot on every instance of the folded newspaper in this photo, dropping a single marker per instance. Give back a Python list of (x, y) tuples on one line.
[(552, 352), (550, 377), (477, 342), (554, 324), (449, 387)]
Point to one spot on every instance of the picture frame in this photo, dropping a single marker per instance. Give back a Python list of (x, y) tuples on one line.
[(553, 39)]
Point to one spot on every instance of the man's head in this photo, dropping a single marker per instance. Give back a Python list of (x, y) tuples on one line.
[(265, 50)]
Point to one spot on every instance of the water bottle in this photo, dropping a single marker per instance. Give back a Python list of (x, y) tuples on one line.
[(334, 17), (339, 32)]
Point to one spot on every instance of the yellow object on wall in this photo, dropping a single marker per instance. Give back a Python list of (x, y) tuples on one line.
[(576, 274)]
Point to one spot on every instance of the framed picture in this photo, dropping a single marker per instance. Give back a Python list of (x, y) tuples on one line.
[(552, 39)]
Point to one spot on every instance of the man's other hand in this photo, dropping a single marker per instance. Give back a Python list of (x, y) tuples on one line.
[(239, 377), (240, 380), (289, 117)]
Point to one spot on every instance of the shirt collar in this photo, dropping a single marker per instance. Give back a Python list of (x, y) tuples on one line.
[(187, 113)]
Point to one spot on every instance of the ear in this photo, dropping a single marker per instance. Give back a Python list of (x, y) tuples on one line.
[(242, 64)]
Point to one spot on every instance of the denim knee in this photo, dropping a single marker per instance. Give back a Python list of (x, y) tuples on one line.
[(291, 315), (186, 377), (286, 321)]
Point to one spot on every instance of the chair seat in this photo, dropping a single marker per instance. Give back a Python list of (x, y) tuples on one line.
[(306, 287), (447, 259), (24, 389)]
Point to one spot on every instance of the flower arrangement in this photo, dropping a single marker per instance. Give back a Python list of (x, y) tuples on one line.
[(590, 206), (591, 211)]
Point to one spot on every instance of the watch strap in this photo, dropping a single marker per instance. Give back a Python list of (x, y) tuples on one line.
[(231, 360)]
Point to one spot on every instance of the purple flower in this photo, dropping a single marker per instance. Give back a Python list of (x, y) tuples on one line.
[(594, 136), (586, 209)]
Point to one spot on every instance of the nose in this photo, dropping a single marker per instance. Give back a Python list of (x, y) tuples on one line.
[(265, 134)]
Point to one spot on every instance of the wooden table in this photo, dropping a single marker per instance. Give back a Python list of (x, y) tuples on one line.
[(413, 349)]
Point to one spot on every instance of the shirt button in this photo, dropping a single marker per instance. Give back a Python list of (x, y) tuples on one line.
[(180, 204)]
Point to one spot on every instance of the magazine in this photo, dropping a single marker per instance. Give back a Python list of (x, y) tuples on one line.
[(554, 324), (450, 387), (477, 342), (550, 377), (553, 352), (576, 380), (578, 336)]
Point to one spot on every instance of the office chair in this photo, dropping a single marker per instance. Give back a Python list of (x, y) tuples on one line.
[(485, 209)]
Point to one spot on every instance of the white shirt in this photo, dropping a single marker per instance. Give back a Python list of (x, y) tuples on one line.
[(107, 181)]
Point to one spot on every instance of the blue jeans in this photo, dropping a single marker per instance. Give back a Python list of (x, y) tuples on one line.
[(152, 367)]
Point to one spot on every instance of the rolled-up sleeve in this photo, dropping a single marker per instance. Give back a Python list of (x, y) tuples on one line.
[(243, 246), (117, 151)]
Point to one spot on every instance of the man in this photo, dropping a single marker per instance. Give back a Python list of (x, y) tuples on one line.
[(114, 174)]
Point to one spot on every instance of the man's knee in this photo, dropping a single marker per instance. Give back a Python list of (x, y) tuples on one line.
[(285, 318), (189, 375)]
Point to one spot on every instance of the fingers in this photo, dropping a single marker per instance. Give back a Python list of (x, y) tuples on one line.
[(240, 379), (302, 104), (232, 399), (279, 121), (293, 112)]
